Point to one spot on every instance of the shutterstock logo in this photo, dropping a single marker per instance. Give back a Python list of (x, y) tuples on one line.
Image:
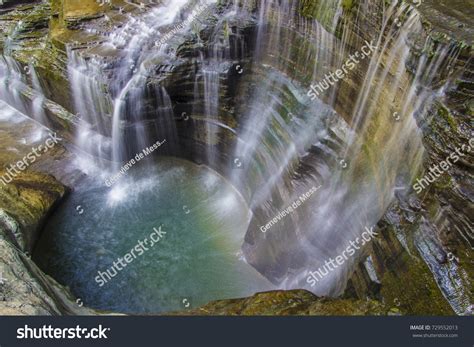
[(48, 332)]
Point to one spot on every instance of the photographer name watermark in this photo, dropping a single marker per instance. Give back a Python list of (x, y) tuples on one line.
[(198, 11), (290, 209), (139, 156)]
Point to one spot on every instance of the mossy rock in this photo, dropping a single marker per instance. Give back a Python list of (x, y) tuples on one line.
[(76, 11), (285, 303), (412, 289), (28, 199), (322, 10)]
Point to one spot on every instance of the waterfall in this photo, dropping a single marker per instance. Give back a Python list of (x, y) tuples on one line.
[(213, 65), (12, 82), (93, 108), (290, 144), (113, 110), (211, 104), (356, 145), (39, 100), (376, 156), (15, 91)]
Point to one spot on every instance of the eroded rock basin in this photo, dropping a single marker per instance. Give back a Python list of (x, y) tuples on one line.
[(195, 259), (409, 106)]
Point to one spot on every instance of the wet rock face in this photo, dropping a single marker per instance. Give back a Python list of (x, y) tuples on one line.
[(423, 236), (451, 18), (8, 5), (428, 236), (25, 289), (28, 199), (25, 203), (77, 11)]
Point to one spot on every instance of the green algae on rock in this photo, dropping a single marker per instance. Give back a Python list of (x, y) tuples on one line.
[(288, 303)]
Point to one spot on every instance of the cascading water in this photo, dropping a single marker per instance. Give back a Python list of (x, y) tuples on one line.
[(13, 82), (121, 115), (92, 106), (15, 91), (355, 159), (363, 169), (141, 43)]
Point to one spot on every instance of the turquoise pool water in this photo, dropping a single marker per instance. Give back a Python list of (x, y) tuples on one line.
[(198, 259)]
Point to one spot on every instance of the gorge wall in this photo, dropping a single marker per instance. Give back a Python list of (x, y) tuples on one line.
[(230, 91)]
